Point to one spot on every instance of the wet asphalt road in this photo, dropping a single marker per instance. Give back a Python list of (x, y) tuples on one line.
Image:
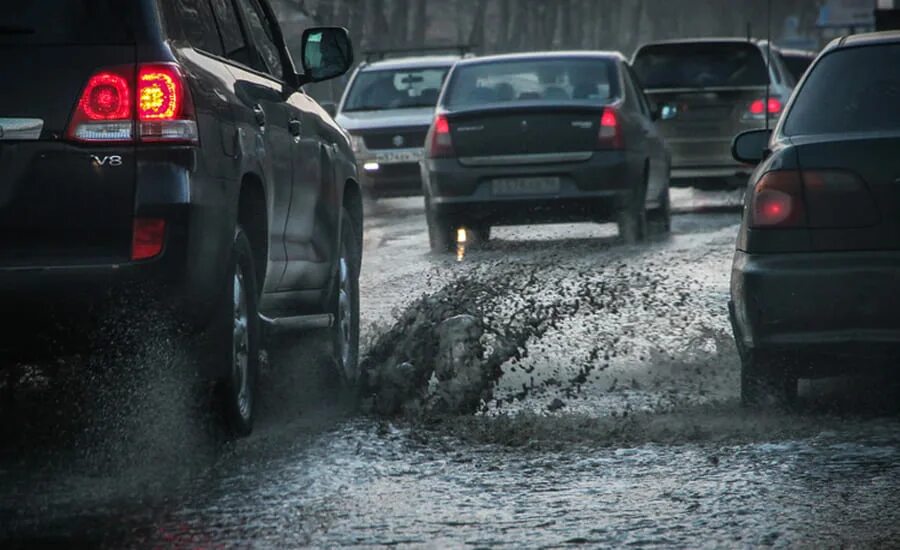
[(616, 423)]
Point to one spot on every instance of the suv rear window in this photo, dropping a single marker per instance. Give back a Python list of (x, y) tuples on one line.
[(528, 80), (850, 90), (67, 22), (377, 90), (701, 65)]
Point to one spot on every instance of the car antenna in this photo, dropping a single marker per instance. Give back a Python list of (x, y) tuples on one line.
[(768, 59)]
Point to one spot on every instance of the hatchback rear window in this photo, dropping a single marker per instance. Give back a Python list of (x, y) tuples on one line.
[(67, 22), (534, 80), (850, 90), (701, 65)]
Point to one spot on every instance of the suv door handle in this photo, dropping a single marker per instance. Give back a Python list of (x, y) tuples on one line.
[(296, 127), (260, 115)]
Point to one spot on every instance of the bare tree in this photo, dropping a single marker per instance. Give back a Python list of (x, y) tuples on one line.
[(476, 35), (420, 23)]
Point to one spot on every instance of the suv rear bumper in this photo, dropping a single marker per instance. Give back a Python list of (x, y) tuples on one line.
[(824, 308), (592, 190)]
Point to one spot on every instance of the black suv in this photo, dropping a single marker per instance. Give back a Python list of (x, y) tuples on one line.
[(168, 145)]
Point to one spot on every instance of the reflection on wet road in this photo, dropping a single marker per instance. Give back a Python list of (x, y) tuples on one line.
[(616, 422)]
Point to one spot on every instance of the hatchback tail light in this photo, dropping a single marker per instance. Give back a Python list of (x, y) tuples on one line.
[(153, 101), (610, 135), (440, 142), (777, 201)]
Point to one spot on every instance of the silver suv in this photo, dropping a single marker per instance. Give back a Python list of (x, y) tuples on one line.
[(388, 107)]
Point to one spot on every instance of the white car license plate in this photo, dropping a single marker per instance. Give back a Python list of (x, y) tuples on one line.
[(525, 186), (396, 157)]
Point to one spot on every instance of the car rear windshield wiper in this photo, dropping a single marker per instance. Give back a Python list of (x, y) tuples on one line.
[(15, 29)]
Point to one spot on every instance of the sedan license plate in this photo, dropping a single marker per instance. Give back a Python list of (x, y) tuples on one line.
[(525, 186), (396, 157)]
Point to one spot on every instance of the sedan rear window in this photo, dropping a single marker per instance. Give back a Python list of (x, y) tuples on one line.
[(529, 80), (701, 65), (850, 90), (67, 22)]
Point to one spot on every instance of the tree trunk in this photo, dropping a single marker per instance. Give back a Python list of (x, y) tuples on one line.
[(420, 23), (378, 30), (476, 36), (400, 23)]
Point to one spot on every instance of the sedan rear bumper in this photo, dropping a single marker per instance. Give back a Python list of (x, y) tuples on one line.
[(589, 190), (823, 307)]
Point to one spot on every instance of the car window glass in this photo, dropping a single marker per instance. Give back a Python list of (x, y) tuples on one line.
[(851, 90), (232, 36), (197, 25), (396, 89), (258, 29), (634, 88), (70, 22), (695, 65), (575, 80)]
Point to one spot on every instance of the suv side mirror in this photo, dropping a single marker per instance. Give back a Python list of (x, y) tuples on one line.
[(327, 53), (751, 147)]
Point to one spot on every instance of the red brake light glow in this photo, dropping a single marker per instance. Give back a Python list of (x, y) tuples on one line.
[(159, 93), (610, 136), (148, 238), (758, 106), (116, 107), (440, 144), (107, 96), (778, 201)]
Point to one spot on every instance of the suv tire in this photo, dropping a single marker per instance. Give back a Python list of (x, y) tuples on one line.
[(236, 331), (345, 303)]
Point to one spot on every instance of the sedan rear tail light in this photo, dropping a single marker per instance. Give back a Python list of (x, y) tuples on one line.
[(610, 135), (777, 201), (440, 142), (154, 100)]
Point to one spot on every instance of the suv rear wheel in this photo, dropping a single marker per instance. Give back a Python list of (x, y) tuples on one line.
[(659, 220), (237, 334)]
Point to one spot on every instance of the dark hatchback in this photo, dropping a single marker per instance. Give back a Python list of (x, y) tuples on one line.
[(816, 273), (162, 155), (546, 137)]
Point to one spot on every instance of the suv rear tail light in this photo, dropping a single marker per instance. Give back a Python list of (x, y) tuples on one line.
[(610, 135), (758, 107), (777, 201), (440, 142), (148, 238), (115, 102), (104, 111)]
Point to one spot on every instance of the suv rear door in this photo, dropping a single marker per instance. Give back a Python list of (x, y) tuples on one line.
[(61, 202), (262, 117)]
